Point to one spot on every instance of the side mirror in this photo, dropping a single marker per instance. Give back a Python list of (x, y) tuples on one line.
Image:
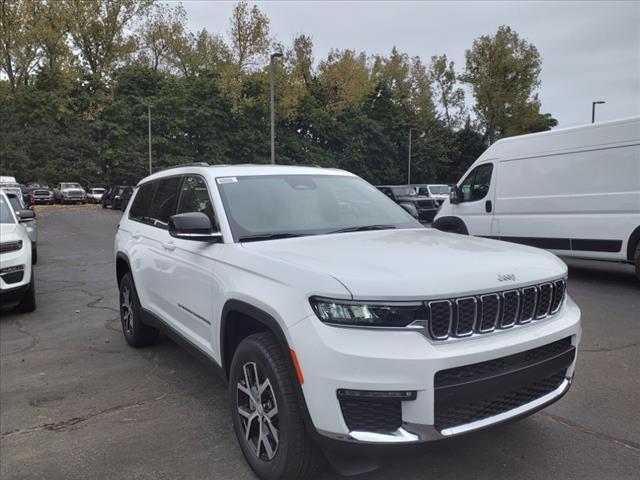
[(410, 209), (193, 226), (453, 195), (25, 215)]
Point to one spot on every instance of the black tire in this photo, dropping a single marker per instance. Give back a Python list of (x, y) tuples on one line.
[(104, 205), (295, 456), (637, 260), (136, 333), (28, 302), (34, 254)]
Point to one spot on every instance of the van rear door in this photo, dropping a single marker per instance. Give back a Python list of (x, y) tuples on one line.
[(477, 200)]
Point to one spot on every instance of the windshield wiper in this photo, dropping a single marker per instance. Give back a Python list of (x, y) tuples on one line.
[(363, 228), (269, 236)]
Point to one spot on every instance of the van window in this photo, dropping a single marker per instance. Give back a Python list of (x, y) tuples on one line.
[(476, 185), (164, 201), (194, 197), (141, 203)]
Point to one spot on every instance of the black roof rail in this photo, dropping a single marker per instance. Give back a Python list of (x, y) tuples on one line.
[(194, 164)]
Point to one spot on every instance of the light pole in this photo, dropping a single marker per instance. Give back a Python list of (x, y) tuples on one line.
[(593, 109), (409, 160), (273, 101), (149, 117)]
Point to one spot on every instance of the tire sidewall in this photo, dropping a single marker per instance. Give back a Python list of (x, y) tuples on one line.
[(251, 351)]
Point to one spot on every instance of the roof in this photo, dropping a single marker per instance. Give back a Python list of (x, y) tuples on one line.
[(244, 170)]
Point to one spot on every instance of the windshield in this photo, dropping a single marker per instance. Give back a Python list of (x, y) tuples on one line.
[(306, 205), (404, 191), (439, 189), (97, 190), (70, 185), (5, 211)]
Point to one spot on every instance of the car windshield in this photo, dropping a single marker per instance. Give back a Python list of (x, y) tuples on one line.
[(404, 191), (70, 185), (439, 189), (97, 190), (5, 211), (289, 205)]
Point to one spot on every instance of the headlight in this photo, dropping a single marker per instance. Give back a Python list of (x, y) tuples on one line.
[(370, 314)]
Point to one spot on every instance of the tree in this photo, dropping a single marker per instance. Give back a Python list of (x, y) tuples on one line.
[(450, 98), (250, 38), (99, 32), (19, 44), (504, 71), (163, 25), (345, 79)]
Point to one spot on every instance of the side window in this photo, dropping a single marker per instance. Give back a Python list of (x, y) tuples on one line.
[(194, 197), (387, 191), (164, 201), (476, 185), (140, 207)]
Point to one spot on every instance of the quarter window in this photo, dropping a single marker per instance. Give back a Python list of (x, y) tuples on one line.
[(476, 185), (142, 201), (194, 197), (164, 201)]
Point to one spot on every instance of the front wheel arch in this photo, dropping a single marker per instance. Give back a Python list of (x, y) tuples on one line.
[(451, 224)]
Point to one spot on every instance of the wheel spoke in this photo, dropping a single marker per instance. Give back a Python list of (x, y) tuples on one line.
[(266, 384), (244, 413), (273, 430), (267, 445), (272, 413), (244, 390)]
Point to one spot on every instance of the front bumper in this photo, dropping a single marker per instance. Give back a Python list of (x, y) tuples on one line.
[(333, 358)]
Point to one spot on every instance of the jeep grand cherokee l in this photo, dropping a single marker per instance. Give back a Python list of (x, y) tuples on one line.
[(309, 292)]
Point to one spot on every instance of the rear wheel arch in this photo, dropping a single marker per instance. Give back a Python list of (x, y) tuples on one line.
[(122, 266), (451, 224)]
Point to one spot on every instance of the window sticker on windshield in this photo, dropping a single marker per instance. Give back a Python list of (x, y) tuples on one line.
[(222, 180)]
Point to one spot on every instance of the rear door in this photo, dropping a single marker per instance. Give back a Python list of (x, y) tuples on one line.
[(476, 205)]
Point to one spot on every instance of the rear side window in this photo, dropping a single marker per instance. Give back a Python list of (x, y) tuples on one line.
[(194, 197), (140, 207), (164, 201)]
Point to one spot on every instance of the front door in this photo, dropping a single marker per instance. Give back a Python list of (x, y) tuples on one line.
[(476, 203)]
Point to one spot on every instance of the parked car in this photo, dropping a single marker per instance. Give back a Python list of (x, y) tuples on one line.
[(70, 192), (117, 197), (407, 196), (437, 192), (315, 298), (42, 194), (573, 191), (17, 287), (94, 195), (28, 221)]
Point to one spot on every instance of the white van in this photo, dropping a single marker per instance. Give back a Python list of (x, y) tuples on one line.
[(574, 191)]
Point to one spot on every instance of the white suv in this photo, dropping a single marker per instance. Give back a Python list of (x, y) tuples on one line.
[(17, 287), (312, 293)]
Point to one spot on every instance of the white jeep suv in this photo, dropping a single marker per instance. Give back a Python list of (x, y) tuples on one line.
[(312, 294), (17, 286)]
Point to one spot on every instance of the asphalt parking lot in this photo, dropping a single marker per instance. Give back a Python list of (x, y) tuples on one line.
[(76, 402)]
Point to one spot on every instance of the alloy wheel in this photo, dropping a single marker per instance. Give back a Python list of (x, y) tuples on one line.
[(126, 310), (258, 411)]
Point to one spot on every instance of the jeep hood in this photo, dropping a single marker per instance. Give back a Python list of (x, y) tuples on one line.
[(411, 264)]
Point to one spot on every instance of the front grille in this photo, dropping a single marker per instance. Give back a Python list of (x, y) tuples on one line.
[(10, 246), (461, 317), (371, 415), (474, 392), (455, 415), (41, 193), (520, 360)]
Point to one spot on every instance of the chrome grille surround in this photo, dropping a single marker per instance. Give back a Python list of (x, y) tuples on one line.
[(517, 306)]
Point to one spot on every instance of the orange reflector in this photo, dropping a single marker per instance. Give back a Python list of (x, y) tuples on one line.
[(297, 365)]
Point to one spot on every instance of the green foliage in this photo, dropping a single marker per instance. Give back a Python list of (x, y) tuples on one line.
[(79, 78), (504, 71)]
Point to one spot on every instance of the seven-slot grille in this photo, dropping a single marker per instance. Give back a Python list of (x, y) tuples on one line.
[(465, 316)]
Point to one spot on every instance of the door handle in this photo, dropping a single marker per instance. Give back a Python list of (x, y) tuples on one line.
[(169, 246), (488, 206), (135, 235)]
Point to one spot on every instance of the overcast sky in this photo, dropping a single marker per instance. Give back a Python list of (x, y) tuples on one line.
[(590, 50)]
